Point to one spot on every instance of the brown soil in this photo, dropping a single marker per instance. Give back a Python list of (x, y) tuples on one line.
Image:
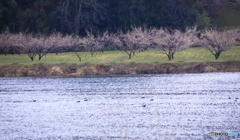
[(23, 70)]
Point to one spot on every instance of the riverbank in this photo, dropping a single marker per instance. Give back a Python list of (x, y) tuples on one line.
[(84, 69)]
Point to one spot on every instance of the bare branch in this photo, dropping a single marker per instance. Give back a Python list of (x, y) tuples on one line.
[(172, 41), (217, 41)]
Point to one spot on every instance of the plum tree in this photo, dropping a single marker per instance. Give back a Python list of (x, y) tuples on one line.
[(217, 41), (171, 41)]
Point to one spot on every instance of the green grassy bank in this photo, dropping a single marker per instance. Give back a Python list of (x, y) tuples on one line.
[(192, 60), (194, 54)]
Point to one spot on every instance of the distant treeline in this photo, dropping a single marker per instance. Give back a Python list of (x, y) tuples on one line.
[(98, 16)]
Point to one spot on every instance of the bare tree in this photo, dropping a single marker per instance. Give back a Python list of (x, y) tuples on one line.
[(29, 45), (92, 44), (80, 45), (20, 43), (44, 46), (68, 42), (133, 41), (8, 43), (55, 40), (97, 43), (171, 41), (217, 41), (5, 42), (143, 37), (126, 44), (77, 44), (106, 40), (238, 36), (15, 45)]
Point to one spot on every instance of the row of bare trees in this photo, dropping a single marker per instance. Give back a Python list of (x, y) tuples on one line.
[(37, 45), (165, 41), (169, 42)]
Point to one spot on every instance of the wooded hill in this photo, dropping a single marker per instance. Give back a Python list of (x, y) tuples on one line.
[(77, 16)]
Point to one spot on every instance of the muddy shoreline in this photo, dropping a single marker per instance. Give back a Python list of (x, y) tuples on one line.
[(85, 69)]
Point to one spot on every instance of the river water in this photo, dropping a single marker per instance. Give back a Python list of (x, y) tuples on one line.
[(151, 107)]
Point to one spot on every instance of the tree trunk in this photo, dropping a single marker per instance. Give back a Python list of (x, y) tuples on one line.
[(169, 57), (169, 54), (92, 54), (80, 59), (40, 56), (172, 55), (32, 55), (130, 56), (217, 55)]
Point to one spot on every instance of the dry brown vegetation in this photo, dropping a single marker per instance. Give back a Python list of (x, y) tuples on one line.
[(82, 69)]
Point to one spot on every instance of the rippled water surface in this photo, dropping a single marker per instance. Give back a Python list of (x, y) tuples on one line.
[(178, 106)]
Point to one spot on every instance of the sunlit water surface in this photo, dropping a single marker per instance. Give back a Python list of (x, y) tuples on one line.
[(173, 106)]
